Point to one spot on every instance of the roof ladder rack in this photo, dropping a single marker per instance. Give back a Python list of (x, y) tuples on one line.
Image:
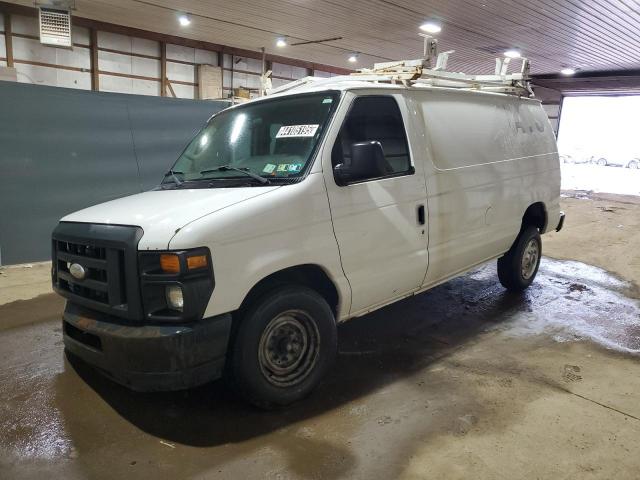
[(419, 72)]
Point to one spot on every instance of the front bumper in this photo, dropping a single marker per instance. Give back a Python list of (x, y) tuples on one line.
[(148, 357)]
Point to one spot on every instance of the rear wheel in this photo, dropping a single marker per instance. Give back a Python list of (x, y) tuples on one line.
[(286, 341), (634, 164), (519, 266)]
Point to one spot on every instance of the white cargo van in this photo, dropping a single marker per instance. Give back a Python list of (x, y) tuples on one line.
[(297, 211)]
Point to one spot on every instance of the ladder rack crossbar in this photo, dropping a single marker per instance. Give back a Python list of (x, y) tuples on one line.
[(418, 72)]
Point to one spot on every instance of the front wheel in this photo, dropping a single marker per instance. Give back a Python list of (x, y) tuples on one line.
[(519, 266), (286, 341), (635, 164), (602, 162)]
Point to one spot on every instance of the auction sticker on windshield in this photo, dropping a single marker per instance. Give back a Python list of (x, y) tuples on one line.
[(297, 131)]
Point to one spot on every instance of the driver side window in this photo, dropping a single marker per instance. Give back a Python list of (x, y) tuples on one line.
[(373, 119)]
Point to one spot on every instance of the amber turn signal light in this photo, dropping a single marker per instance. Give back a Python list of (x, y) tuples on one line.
[(170, 263), (197, 261)]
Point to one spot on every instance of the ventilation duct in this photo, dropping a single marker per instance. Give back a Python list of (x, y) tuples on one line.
[(55, 22)]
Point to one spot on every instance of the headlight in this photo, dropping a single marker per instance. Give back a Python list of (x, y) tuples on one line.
[(176, 285), (175, 300)]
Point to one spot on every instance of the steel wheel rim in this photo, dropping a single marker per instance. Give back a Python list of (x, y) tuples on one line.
[(289, 347), (530, 258)]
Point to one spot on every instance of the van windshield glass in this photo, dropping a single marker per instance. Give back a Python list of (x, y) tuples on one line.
[(271, 139)]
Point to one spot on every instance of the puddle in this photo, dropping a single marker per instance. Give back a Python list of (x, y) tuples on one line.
[(574, 301)]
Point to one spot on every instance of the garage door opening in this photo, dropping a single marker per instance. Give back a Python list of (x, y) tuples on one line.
[(598, 144)]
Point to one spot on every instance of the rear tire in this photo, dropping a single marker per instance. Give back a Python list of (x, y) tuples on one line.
[(635, 164), (519, 266), (286, 341)]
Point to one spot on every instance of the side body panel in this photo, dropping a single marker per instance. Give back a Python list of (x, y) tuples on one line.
[(488, 158)]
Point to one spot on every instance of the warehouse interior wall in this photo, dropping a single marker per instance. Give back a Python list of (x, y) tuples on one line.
[(77, 149), (552, 103), (130, 64)]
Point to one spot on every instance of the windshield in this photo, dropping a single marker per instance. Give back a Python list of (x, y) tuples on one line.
[(271, 139)]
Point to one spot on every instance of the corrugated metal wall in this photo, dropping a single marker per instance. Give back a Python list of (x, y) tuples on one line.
[(65, 149)]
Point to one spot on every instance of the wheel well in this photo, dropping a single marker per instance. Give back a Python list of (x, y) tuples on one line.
[(535, 215), (311, 276)]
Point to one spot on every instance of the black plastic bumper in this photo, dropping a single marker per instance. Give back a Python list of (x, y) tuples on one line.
[(561, 222), (148, 357)]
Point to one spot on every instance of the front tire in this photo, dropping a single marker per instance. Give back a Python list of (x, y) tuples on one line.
[(519, 266), (286, 341), (634, 164)]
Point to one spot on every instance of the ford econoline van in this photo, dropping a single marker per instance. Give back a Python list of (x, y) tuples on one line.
[(294, 212)]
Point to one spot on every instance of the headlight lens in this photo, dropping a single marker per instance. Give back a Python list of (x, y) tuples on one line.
[(175, 299)]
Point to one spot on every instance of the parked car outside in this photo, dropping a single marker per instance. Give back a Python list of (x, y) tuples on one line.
[(616, 159), (575, 156)]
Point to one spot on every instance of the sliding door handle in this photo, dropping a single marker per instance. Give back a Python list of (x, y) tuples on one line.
[(421, 215)]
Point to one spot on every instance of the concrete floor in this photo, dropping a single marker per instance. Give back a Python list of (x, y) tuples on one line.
[(462, 381)]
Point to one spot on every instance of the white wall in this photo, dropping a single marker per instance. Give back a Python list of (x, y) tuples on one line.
[(31, 50), (129, 64), (320, 73), (135, 57), (241, 79)]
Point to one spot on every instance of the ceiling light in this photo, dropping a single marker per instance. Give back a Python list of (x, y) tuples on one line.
[(184, 20), (430, 27), (568, 71), (281, 42), (353, 58), (512, 54)]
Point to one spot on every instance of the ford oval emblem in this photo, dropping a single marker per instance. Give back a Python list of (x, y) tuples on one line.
[(77, 271)]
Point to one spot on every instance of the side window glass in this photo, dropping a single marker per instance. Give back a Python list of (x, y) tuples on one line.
[(372, 122)]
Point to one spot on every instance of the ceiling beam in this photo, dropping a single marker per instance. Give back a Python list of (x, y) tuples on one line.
[(614, 82)]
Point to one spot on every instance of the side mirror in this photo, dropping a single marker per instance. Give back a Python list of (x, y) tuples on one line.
[(367, 161)]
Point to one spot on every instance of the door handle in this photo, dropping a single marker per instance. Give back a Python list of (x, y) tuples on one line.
[(421, 215)]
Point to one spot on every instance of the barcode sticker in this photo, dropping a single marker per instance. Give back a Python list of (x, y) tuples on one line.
[(297, 131)]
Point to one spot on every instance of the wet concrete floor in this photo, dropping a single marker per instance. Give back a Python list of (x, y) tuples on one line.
[(464, 380)]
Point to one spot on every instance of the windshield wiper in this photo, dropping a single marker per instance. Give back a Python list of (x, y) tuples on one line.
[(246, 171), (176, 180)]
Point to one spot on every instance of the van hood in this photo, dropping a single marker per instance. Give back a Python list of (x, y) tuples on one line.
[(161, 213)]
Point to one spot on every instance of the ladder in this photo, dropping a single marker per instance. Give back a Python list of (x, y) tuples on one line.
[(419, 72)]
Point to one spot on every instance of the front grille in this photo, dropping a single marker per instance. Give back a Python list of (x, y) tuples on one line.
[(103, 282), (104, 260)]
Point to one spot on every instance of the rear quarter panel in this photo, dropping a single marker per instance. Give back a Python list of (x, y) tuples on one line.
[(488, 158)]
